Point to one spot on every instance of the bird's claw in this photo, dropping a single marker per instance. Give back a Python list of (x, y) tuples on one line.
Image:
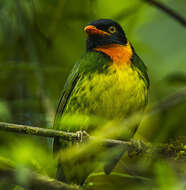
[(81, 136), (137, 148)]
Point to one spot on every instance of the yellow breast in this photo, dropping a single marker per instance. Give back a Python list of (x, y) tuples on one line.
[(111, 95)]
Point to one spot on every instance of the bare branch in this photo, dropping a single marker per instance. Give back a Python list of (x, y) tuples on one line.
[(169, 11)]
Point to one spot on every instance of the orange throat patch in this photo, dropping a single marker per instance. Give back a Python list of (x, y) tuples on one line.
[(120, 54)]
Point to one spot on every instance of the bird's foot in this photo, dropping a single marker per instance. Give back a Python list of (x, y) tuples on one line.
[(82, 136), (137, 148)]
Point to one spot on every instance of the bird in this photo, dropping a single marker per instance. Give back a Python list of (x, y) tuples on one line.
[(110, 82)]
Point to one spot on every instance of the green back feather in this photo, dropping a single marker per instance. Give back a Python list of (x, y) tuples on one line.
[(138, 64)]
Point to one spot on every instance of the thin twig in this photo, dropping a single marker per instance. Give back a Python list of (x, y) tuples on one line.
[(169, 11)]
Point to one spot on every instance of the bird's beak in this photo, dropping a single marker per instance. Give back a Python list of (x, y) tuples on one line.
[(92, 30)]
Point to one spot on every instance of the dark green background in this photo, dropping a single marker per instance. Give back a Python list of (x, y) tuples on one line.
[(40, 41)]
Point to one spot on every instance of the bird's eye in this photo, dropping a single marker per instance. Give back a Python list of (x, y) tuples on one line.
[(112, 29)]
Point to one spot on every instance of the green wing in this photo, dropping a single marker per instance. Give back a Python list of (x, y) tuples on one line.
[(91, 62), (138, 63), (68, 88)]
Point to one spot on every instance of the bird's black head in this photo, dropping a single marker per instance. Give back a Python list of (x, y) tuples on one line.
[(104, 32)]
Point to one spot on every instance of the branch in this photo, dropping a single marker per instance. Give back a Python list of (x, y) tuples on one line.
[(37, 131), (169, 11), (30, 130), (169, 102), (33, 180)]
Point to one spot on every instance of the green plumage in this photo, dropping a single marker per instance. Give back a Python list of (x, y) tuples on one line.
[(96, 88)]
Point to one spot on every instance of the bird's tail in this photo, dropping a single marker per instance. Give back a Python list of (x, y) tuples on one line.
[(60, 173)]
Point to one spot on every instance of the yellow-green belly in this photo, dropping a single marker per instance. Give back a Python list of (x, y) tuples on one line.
[(112, 96)]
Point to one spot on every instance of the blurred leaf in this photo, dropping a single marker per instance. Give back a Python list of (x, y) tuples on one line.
[(4, 111), (176, 78), (5, 162), (168, 182), (114, 181)]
